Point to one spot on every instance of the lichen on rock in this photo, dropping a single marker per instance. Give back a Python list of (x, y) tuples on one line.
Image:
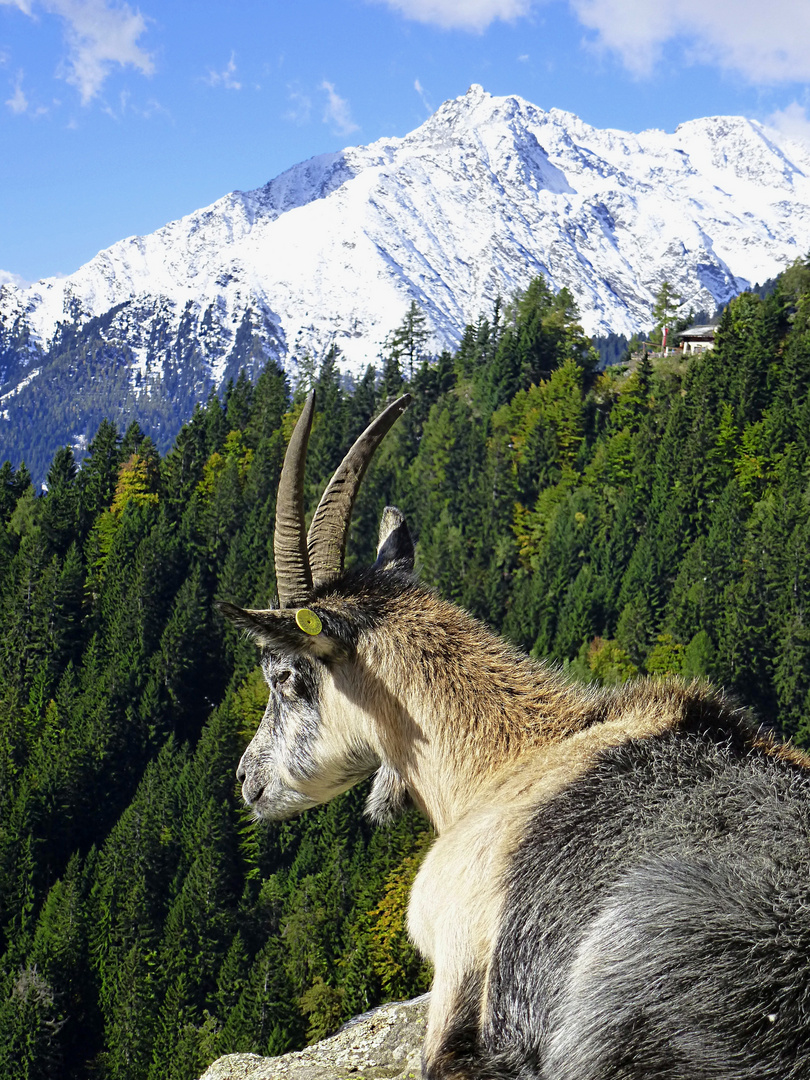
[(384, 1043)]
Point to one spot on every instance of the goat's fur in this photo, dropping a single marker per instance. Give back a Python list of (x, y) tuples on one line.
[(620, 887)]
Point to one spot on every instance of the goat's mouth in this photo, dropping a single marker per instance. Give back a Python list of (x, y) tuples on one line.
[(274, 802), (252, 793)]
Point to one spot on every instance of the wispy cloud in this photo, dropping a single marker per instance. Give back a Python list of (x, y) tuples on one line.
[(337, 113), (792, 121), (421, 92), (766, 43), (23, 5), (300, 109), (7, 278), (18, 102), (127, 106), (154, 108), (461, 14), (225, 78), (99, 36)]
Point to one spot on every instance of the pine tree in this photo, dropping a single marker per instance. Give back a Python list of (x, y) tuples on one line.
[(664, 313), (407, 345), (99, 472)]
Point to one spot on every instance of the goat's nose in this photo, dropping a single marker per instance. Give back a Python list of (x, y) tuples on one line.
[(241, 773)]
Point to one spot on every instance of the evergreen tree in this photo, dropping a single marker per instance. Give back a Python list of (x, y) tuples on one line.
[(100, 472), (407, 345), (664, 313)]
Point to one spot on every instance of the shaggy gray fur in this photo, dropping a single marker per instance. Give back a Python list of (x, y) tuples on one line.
[(657, 923)]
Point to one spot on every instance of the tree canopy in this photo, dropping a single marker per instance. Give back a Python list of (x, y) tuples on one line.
[(651, 520)]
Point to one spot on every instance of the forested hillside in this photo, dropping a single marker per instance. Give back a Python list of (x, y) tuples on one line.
[(648, 521), (61, 393)]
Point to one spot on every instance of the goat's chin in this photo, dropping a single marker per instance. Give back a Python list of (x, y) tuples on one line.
[(277, 803)]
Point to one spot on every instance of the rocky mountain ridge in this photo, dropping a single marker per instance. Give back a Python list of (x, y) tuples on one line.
[(486, 194)]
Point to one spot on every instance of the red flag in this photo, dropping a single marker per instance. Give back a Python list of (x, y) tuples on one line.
[(664, 338)]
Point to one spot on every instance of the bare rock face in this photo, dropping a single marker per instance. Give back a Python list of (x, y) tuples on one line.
[(384, 1043)]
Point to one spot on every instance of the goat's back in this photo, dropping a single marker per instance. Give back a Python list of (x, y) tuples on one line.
[(657, 920)]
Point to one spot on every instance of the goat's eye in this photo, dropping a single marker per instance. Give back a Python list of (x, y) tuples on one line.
[(280, 677)]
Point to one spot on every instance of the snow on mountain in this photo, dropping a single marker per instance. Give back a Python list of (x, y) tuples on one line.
[(486, 194)]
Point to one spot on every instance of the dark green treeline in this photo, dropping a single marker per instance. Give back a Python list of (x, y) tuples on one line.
[(649, 521)]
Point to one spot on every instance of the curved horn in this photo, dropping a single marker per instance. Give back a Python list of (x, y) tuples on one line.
[(330, 525), (293, 575)]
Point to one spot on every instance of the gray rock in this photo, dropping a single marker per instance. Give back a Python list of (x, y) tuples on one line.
[(384, 1043)]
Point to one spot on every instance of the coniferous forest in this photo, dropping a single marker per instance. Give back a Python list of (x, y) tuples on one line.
[(651, 520)]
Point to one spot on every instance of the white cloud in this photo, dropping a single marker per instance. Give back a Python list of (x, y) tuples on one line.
[(300, 108), (154, 108), (23, 5), (225, 77), (128, 106), (99, 35), (421, 92), (461, 14), (6, 276), (18, 102), (793, 122), (766, 43), (337, 111)]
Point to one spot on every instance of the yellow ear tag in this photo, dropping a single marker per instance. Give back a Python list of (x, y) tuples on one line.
[(308, 621)]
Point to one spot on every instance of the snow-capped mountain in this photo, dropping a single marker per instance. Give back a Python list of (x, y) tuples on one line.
[(486, 194)]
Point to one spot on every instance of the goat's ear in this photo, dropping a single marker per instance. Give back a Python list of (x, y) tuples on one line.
[(395, 546), (294, 630)]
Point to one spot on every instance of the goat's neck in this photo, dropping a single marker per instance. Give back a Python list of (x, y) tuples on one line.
[(463, 707)]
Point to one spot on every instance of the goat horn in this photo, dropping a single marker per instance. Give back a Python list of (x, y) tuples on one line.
[(330, 525), (293, 574)]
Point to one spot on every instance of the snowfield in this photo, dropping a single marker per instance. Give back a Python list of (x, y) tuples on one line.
[(486, 194)]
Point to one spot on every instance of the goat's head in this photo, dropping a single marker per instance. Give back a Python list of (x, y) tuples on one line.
[(313, 743)]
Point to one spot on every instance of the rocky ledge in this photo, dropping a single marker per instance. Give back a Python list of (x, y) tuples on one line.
[(384, 1043)]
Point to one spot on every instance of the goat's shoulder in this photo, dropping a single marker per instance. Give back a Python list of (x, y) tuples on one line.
[(657, 706), (637, 748)]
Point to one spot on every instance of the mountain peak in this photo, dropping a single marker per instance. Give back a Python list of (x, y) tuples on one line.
[(487, 193)]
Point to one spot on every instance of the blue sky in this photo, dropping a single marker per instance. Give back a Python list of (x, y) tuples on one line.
[(115, 119)]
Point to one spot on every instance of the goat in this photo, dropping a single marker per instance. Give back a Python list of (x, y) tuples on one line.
[(620, 884)]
